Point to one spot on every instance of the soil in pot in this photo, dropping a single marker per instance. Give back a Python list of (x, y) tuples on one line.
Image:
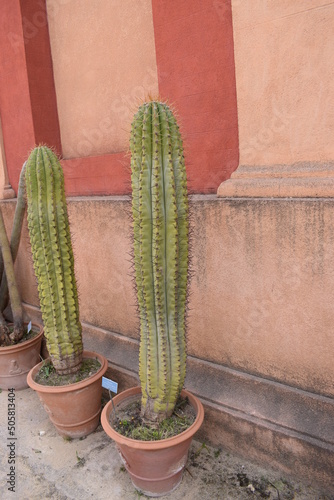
[(127, 421), (47, 374)]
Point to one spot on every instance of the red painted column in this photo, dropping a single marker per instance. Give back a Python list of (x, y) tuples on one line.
[(194, 47), (195, 59), (40, 73), (27, 94)]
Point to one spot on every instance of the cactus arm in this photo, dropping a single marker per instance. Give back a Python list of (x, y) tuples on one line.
[(183, 239), (136, 159), (172, 260), (16, 234), (16, 304), (19, 214), (159, 250), (53, 259), (145, 258), (68, 292)]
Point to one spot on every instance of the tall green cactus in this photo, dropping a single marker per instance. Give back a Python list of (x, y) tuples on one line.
[(53, 259), (161, 255)]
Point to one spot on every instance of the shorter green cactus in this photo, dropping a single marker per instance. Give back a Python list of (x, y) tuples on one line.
[(53, 259)]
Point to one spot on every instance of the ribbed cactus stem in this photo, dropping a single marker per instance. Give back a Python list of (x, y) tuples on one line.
[(53, 259), (16, 234), (17, 334), (161, 230)]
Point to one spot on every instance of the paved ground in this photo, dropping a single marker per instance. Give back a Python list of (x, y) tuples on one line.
[(47, 466)]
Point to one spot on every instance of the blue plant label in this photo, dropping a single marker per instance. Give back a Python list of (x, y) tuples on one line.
[(110, 385), (29, 327)]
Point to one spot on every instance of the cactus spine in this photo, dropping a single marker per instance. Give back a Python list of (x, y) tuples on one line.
[(53, 259), (161, 255)]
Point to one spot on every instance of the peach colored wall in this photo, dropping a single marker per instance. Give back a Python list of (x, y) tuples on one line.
[(6, 190), (261, 296), (263, 287), (101, 243), (104, 63), (284, 56)]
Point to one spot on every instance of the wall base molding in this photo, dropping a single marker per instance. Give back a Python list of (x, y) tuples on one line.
[(299, 180), (259, 419)]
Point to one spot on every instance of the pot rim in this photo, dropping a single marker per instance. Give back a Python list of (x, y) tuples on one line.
[(69, 387), (151, 445), (26, 343)]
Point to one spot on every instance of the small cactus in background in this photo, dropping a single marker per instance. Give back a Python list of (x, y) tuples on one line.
[(7, 337), (53, 259), (161, 255), (8, 287)]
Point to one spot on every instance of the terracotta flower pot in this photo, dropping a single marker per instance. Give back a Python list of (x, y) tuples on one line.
[(16, 361), (74, 409), (155, 467)]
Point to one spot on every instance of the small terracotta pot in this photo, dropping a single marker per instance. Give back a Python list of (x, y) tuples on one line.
[(155, 467), (73, 409), (16, 361)]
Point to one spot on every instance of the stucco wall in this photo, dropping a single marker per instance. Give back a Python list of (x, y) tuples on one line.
[(284, 56), (260, 298), (104, 62)]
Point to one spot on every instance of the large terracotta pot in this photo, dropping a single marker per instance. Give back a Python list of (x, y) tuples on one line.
[(74, 409), (155, 467), (16, 361)]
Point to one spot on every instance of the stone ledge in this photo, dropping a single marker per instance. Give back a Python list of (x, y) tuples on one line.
[(260, 419), (265, 400), (269, 445), (299, 180)]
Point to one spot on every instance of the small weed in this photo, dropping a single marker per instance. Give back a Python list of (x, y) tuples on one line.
[(122, 468), (145, 434), (46, 370), (80, 460), (140, 494), (279, 485), (67, 438), (217, 453), (200, 449)]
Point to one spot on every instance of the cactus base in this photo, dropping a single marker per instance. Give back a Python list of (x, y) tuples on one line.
[(68, 364)]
